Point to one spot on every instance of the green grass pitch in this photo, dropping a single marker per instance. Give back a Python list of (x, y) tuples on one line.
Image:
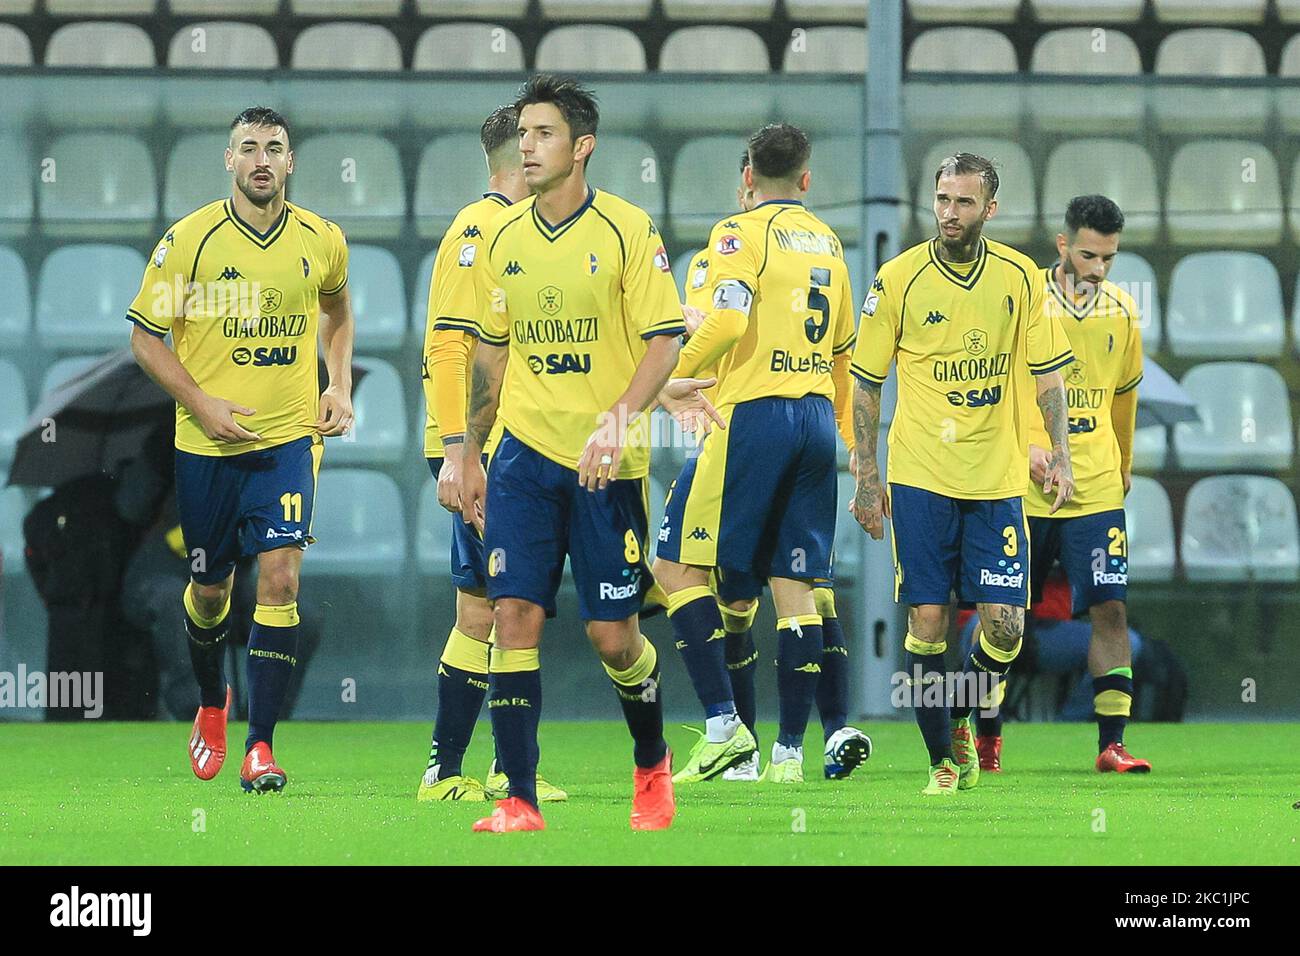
[(124, 794)]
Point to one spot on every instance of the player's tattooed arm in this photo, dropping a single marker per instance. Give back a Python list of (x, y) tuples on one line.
[(1055, 411), (484, 396), (870, 505)]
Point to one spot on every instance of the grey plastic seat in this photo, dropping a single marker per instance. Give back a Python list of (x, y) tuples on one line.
[(196, 174), (1017, 213), (1135, 276), (470, 47), (1238, 181), (379, 436), (1245, 419), (721, 49), (472, 8), (433, 532), (14, 506), (236, 8), (1120, 170), (452, 172), (346, 46), (703, 189), (15, 47), (100, 8), (1226, 305), (1288, 92), (841, 50), (1109, 55), (420, 296), (845, 11), (16, 306), (959, 107), (83, 293), (1150, 446), (592, 48), (222, 45), (354, 179), (629, 167), (104, 186), (1288, 11), (1087, 11), (359, 525), (346, 8), (1210, 11), (13, 410), (1209, 52), (17, 203), (596, 9), (839, 184), (719, 11), (974, 11), (1149, 523), (378, 297), (65, 370), (1240, 528), (100, 44), (1294, 212)]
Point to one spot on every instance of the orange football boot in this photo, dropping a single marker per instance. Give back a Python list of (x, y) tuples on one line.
[(208, 740)]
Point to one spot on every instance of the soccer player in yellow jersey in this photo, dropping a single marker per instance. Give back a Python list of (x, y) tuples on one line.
[(244, 286), (579, 331), (448, 352), (738, 593), (1087, 534), (760, 497), (963, 315)]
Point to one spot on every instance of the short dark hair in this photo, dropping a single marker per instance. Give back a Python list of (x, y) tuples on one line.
[(260, 116), (499, 128), (576, 103), (779, 151), (744, 161), (1094, 212), (961, 164)]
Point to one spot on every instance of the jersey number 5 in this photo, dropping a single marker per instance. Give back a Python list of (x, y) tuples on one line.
[(818, 304)]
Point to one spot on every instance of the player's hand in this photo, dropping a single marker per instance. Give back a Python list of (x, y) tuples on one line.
[(217, 419), (853, 462), (1038, 459), (870, 505), (1061, 475), (598, 465), (683, 398), (693, 318), (473, 492), (449, 478), (335, 412), (1128, 481)]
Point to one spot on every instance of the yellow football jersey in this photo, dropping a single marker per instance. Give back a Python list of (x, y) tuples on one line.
[(243, 307), (699, 295), (783, 269), (1107, 341), (453, 302), (575, 302), (960, 340)]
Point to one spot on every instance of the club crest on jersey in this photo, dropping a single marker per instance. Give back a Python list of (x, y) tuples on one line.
[(467, 253), (728, 244), (306, 267), (661, 260), (976, 341), (550, 299), (1078, 372), (270, 300), (592, 263)]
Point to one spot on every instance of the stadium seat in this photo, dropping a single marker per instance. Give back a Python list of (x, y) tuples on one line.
[(1226, 305), (1210, 11), (514, 9), (15, 8), (841, 50), (65, 370), (13, 410), (1207, 53), (16, 201), (100, 8), (378, 297), (82, 295), (1150, 446), (1016, 216), (657, 495), (1288, 93), (1293, 214), (714, 50), (1149, 524), (358, 523), (1240, 528), (838, 184), (958, 107), (1087, 51), (719, 11), (420, 296), (1115, 168), (591, 48), (1087, 11), (1136, 277), (973, 11), (854, 258), (380, 435), (229, 8), (833, 11), (1224, 193), (628, 167), (103, 185), (354, 179), (196, 174), (16, 306), (100, 44), (346, 8), (1288, 11), (596, 9), (366, 47), (14, 506), (469, 47), (452, 173), (222, 45), (703, 187), (1245, 419), (15, 47), (433, 532)]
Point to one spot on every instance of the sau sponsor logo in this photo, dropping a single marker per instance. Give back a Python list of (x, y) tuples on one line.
[(976, 397), (560, 363), (728, 244), (1082, 426), (265, 356)]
